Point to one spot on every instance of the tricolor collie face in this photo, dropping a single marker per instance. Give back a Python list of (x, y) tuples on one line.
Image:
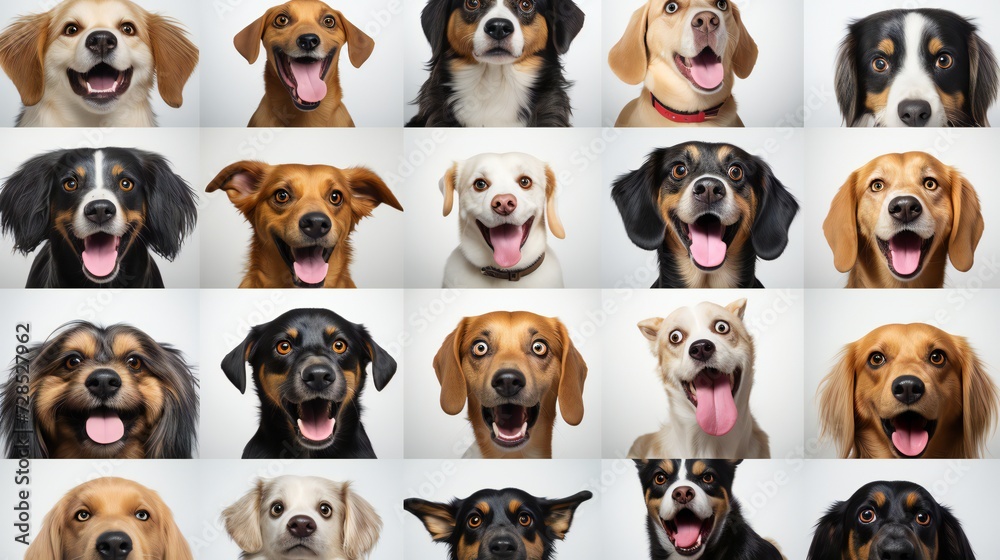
[(497, 31)]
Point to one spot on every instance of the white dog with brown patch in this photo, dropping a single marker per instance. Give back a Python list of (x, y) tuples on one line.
[(706, 361), (504, 201)]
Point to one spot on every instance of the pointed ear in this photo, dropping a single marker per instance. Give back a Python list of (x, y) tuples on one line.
[(359, 44), (738, 307), (776, 208), (559, 513), (241, 181), (242, 520), (979, 399), (983, 82), (448, 367), (552, 214), (846, 80), (22, 55), (745, 57), (565, 24), (383, 365), (174, 57), (967, 228), (24, 202), (171, 207), (438, 518), (629, 58), (47, 544), (362, 524), (954, 545), (368, 190), (234, 365), (434, 21), (650, 328), (637, 194), (828, 540), (836, 402), (247, 41), (841, 225), (447, 186), (574, 375)]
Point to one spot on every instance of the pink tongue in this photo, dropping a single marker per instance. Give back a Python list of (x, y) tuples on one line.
[(905, 251), (706, 70), (308, 85), (315, 427), (105, 428), (909, 439), (101, 83), (688, 530), (716, 412), (100, 252), (506, 241), (310, 267), (707, 247)]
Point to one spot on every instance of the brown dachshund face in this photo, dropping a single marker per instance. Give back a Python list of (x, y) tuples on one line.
[(913, 391), (900, 214)]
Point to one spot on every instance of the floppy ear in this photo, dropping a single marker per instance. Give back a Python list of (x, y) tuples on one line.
[(241, 181), (383, 365), (846, 80), (745, 57), (636, 195), (551, 212), (738, 307), (174, 435), (629, 58), (434, 20), (234, 365), (176, 546), (982, 79), (22, 55), (174, 57), (836, 402), (438, 518), (369, 191), (979, 400), (448, 367), (828, 539), (47, 544), (247, 41), (565, 24), (24, 202), (171, 207), (776, 208), (242, 520), (954, 545), (967, 228), (447, 186), (574, 374), (12, 421), (362, 524), (559, 513), (359, 45), (650, 328), (841, 226)]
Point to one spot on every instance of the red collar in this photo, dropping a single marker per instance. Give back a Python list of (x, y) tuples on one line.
[(681, 117)]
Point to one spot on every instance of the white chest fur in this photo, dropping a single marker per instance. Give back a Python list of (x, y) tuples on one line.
[(491, 94)]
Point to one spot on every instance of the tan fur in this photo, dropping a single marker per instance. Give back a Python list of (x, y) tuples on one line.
[(887, 46)]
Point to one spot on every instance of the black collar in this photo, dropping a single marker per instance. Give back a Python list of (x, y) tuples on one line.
[(512, 275)]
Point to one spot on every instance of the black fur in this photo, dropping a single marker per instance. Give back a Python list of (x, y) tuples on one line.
[(33, 195), (548, 105), (637, 195), (893, 524), (277, 435)]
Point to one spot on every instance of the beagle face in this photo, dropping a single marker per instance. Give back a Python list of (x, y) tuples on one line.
[(504, 201), (706, 361), (900, 214)]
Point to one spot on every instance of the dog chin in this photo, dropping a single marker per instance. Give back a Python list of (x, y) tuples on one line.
[(497, 56)]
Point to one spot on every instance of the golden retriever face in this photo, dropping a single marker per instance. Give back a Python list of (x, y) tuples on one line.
[(908, 391), (899, 217), (110, 514)]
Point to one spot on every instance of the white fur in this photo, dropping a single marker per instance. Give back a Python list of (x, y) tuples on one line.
[(689, 209), (483, 43), (701, 506), (491, 95), (82, 227), (912, 80)]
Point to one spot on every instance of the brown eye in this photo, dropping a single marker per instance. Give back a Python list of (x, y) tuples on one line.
[(480, 348), (736, 173), (708, 478), (539, 348), (126, 185), (930, 184), (722, 327), (325, 510), (938, 357), (877, 359), (128, 29), (526, 5), (480, 185), (283, 347), (676, 337), (340, 347), (70, 185), (73, 361), (329, 21), (672, 7), (525, 182), (471, 5), (277, 508), (945, 61), (524, 519), (142, 515), (134, 363), (71, 29), (475, 520), (660, 479), (923, 518), (877, 186), (880, 65), (679, 171), (866, 516), (282, 196), (281, 21), (82, 515), (337, 198)]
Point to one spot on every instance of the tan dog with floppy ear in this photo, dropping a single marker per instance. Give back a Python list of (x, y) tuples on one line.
[(685, 54), (302, 41), (511, 368), (897, 220)]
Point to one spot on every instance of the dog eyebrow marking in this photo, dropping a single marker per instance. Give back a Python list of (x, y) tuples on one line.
[(934, 46), (293, 333), (879, 498), (117, 169), (911, 499), (81, 171), (82, 341), (533, 331), (330, 331), (483, 507), (514, 505), (124, 344), (698, 468), (887, 46), (667, 466)]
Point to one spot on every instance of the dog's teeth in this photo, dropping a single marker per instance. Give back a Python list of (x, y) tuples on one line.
[(524, 430), (496, 430)]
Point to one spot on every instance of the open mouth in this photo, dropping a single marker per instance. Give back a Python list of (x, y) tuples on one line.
[(101, 84), (304, 77), (687, 532), (103, 425), (905, 253), (706, 239), (705, 71), (101, 256), (909, 432), (506, 241), (315, 421), (308, 265), (510, 424), (713, 394)]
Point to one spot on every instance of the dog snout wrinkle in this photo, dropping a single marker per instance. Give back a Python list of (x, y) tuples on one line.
[(503, 547), (499, 28), (504, 204), (114, 545), (905, 209), (702, 350), (508, 382), (315, 224), (100, 211), (908, 389), (318, 377), (709, 191), (308, 42), (706, 22), (101, 43), (103, 383), (301, 526), (683, 495)]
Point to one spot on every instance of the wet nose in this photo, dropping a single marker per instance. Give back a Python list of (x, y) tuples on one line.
[(99, 211), (315, 224), (905, 208), (702, 350), (709, 191), (308, 42), (914, 112), (114, 546), (499, 28), (895, 549), (504, 204), (318, 377), (503, 547), (101, 43), (908, 389), (683, 495), (301, 526), (508, 382), (706, 22), (103, 383)]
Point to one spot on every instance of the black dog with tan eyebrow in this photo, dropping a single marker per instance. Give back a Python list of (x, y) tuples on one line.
[(507, 524), (309, 370), (890, 520), (709, 211)]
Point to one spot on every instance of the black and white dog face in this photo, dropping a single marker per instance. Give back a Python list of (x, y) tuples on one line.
[(917, 68)]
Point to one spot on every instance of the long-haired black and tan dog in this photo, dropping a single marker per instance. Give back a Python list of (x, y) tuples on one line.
[(101, 392)]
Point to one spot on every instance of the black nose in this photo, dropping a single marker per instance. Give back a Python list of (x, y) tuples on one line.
[(114, 545), (702, 350), (318, 377), (101, 42), (709, 191), (315, 224), (499, 28), (895, 549), (905, 208), (503, 547), (308, 41), (508, 382), (103, 383), (99, 211), (914, 112), (907, 389), (301, 526)]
